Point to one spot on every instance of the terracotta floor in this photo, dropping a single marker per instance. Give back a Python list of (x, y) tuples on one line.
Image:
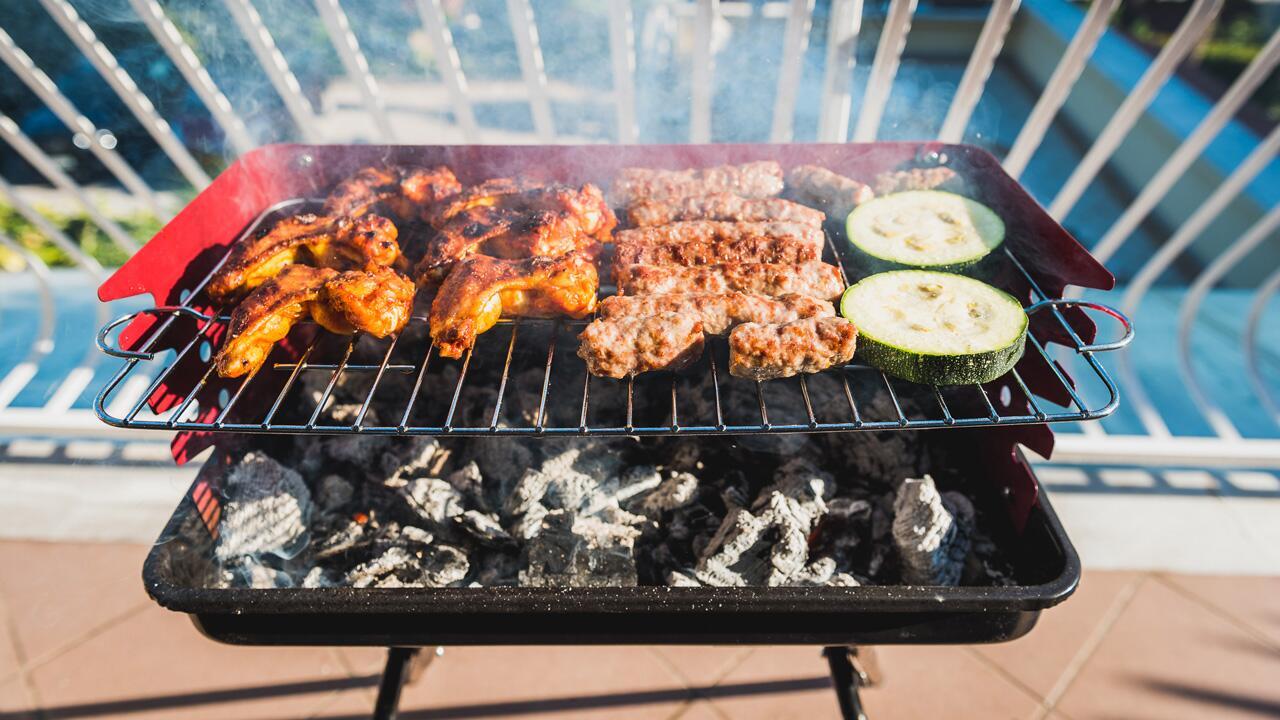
[(79, 639)]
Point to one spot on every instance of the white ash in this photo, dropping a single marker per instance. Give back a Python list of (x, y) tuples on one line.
[(635, 482), (502, 463), (400, 566), (735, 555), (340, 540), (267, 510), (434, 500), (676, 578), (408, 457), (444, 565), (369, 573), (483, 528), (469, 481), (246, 572), (333, 492), (572, 551), (677, 491), (932, 532), (318, 577)]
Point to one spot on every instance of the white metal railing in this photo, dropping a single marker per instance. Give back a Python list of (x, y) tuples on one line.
[(841, 116)]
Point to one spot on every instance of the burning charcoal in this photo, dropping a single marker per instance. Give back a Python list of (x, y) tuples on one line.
[(677, 491), (364, 451), (573, 551), (444, 565), (333, 492), (529, 523), (267, 510), (733, 557), (409, 457), (503, 463), (498, 568), (368, 574), (432, 499), (484, 528), (635, 481), (676, 578), (843, 580), (468, 481), (818, 572), (412, 534), (932, 533), (340, 540)]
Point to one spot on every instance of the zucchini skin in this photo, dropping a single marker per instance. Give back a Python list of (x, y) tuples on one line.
[(940, 369), (865, 264)]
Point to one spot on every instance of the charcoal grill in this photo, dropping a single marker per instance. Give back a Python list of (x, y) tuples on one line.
[(166, 353)]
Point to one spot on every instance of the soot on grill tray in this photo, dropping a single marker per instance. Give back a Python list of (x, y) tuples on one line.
[(786, 510)]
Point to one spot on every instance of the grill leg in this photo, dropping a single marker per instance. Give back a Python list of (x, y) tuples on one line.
[(851, 670), (404, 665)]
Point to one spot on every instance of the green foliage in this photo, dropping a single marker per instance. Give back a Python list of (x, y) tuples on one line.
[(91, 239)]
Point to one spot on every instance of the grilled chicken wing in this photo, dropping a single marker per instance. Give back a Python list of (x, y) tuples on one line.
[(551, 220), (376, 302), (340, 243), (481, 289), (751, 180), (759, 351), (622, 346), (404, 192), (490, 192), (814, 279)]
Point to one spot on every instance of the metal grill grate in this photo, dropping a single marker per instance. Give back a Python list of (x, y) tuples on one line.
[(562, 398)]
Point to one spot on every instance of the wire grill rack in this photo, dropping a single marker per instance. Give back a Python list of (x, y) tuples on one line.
[(523, 379)]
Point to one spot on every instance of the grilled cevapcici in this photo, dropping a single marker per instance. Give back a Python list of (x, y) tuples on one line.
[(749, 180), (694, 244), (338, 243), (759, 351), (815, 279), (481, 289), (377, 302), (721, 206)]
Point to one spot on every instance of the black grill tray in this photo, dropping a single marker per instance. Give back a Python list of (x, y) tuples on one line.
[(1019, 519)]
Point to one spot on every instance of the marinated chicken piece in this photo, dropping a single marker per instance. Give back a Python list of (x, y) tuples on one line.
[(622, 346), (934, 178), (817, 280), (481, 289), (835, 194), (759, 351), (489, 192), (751, 180), (718, 312), (712, 230), (404, 192), (721, 206), (377, 302), (341, 243), (696, 253), (548, 221)]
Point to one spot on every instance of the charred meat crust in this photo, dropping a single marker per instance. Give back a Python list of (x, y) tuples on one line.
[(618, 347), (718, 312), (721, 206)]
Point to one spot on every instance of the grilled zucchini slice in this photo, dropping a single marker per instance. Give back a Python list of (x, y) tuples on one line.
[(927, 229), (935, 328)]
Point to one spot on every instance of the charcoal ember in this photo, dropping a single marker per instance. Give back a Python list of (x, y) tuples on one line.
[(584, 476), (469, 482), (392, 560), (800, 480), (444, 565), (364, 451), (845, 529), (574, 551), (843, 580), (497, 568), (339, 538), (793, 520), (818, 572), (676, 491), (484, 528), (684, 455), (875, 458), (433, 500), (529, 523), (408, 457), (682, 578), (503, 463), (932, 532), (635, 481), (333, 492), (267, 510), (735, 555)]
